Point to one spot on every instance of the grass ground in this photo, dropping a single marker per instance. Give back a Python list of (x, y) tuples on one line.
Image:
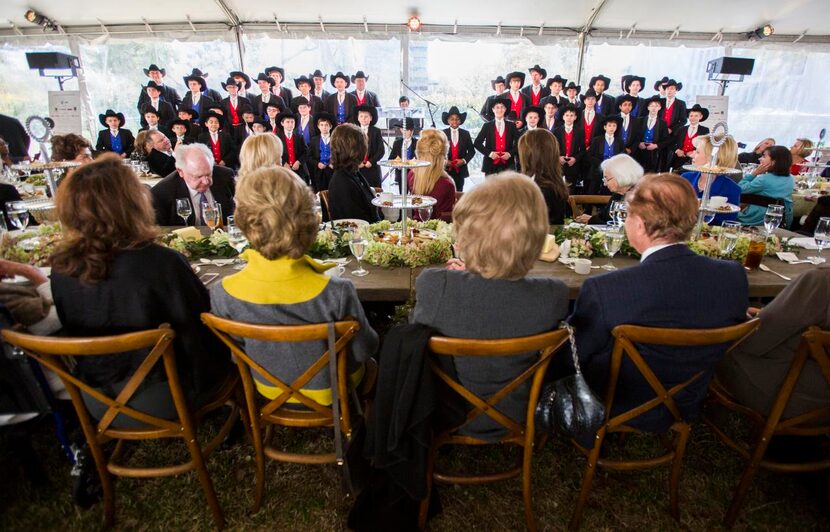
[(309, 498)]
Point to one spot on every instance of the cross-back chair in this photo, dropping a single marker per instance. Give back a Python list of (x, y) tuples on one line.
[(578, 202)]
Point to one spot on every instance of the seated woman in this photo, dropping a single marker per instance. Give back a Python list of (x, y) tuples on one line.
[(282, 286), (721, 185), (110, 277), (620, 173), (259, 151), (755, 370), (800, 150), (488, 294), (433, 180), (539, 159), (771, 179), (350, 195), (71, 147)]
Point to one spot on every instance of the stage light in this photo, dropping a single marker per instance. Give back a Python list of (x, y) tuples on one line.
[(36, 18), (414, 23), (762, 33)]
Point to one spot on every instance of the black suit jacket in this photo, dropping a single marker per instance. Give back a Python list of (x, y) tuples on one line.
[(349, 102), (376, 151), (228, 150), (634, 135), (105, 141), (173, 187), (284, 93), (577, 150), (597, 150), (168, 94), (607, 105), (312, 130), (315, 101), (319, 177), (161, 129), (242, 105), (677, 144), (674, 287), (397, 151), (486, 142), (239, 134), (678, 116), (486, 113), (466, 151), (166, 112), (652, 161), (350, 196), (639, 109), (259, 105), (544, 92), (204, 102), (160, 163), (300, 153), (369, 98), (323, 97)]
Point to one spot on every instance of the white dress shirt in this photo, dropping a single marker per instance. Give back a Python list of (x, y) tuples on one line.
[(500, 126), (654, 249), (454, 135)]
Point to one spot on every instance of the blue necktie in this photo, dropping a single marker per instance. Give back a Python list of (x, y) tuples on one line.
[(202, 200)]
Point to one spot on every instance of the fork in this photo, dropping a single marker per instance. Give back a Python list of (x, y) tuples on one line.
[(765, 268)]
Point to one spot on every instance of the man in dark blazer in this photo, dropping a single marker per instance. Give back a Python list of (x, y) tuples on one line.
[(115, 138), (159, 153), (278, 75), (156, 102), (571, 140), (361, 94), (366, 116), (340, 104), (498, 86), (496, 140), (196, 178), (168, 93), (408, 135), (461, 150), (218, 141), (605, 104), (672, 287)]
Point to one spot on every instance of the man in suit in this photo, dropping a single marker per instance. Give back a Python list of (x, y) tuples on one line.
[(220, 143), (265, 96), (196, 178), (366, 116), (535, 92), (340, 104), (672, 287), (498, 86), (115, 137), (496, 140), (154, 100), (159, 153), (303, 84), (168, 93), (629, 127), (684, 147), (195, 98), (319, 85), (461, 150), (571, 140), (233, 106), (405, 144), (674, 116), (605, 104), (361, 94), (278, 75)]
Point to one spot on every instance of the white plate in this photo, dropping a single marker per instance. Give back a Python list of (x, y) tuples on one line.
[(17, 279), (29, 244), (732, 209)]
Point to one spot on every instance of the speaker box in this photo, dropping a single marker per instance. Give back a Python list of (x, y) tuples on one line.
[(51, 61), (731, 65)]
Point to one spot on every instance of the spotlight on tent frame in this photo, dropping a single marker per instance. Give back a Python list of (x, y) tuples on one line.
[(762, 33), (36, 18), (414, 23)]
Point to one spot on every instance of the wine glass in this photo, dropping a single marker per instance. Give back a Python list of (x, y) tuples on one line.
[(730, 231), (18, 214), (822, 237), (358, 248), (614, 209), (612, 243), (184, 209), (773, 217), (622, 213), (708, 215), (424, 213), (212, 214), (144, 168), (237, 240), (811, 180)]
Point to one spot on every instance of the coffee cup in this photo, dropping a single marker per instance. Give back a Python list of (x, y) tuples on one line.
[(582, 266), (716, 202)]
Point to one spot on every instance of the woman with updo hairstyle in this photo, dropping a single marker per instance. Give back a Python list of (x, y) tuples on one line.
[(109, 276), (71, 147), (433, 180), (259, 151)]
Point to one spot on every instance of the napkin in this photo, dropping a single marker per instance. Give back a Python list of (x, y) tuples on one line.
[(805, 242)]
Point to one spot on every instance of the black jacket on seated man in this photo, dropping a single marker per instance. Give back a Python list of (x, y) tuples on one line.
[(173, 187), (160, 163)]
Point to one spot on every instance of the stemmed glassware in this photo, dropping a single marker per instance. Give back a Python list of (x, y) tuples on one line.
[(424, 213), (730, 232), (822, 237), (212, 214), (772, 218), (184, 209), (358, 248), (237, 240), (619, 212), (18, 214), (612, 243)]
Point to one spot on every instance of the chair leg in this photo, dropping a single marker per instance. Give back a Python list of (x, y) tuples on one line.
[(106, 482), (204, 478), (527, 493), (746, 479), (677, 468), (259, 459), (587, 480), (423, 511)]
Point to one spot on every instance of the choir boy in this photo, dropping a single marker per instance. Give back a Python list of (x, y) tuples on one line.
[(265, 95), (210, 93), (555, 86), (605, 104), (234, 105), (305, 122), (294, 149), (572, 94), (571, 147), (219, 142), (319, 151), (496, 140), (498, 86), (518, 101), (245, 85), (195, 98), (405, 144), (684, 147), (631, 86), (535, 92), (361, 94), (114, 138), (461, 150), (629, 127), (366, 117), (341, 104), (303, 84), (278, 75), (604, 147), (168, 94), (550, 121), (155, 100), (319, 85), (655, 136), (589, 117)]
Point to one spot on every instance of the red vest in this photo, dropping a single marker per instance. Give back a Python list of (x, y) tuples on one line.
[(453, 155), (289, 149), (667, 113), (534, 97), (501, 143), (359, 99), (516, 107), (215, 148), (569, 137), (234, 113), (589, 129), (688, 144)]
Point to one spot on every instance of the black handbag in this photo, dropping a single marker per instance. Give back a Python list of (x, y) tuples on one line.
[(568, 406)]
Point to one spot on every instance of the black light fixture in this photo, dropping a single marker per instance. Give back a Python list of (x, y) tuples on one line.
[(762, 33), (41, 20)]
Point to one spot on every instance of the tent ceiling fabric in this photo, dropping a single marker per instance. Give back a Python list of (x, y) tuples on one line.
[(789, 17)]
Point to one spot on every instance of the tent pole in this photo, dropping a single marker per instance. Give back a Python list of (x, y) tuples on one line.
[(240, 48), (86, 101), (579, 63)]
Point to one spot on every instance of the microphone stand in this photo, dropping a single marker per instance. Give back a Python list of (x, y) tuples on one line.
[(430, 105)]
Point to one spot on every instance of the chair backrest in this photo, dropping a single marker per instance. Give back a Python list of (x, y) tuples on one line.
[(758, 199), (229, 330), (626, 336), (546, 344), (576, 202), (54, 353), (814, 345), (324, 199)]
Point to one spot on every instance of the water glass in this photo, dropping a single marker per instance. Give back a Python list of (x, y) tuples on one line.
[(18, 214), (237, 240), (622, 213), (773, 217), (424, 213), (184, 209), (811, 180), (358, 248), (612, 243), (708, 215), (822, 237), (212, 214), (730, 232)]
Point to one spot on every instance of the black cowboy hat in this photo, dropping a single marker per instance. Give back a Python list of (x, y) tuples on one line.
[(147, 108), (403, 99), (520, 75), (628, 78), (548, 100), (359, 74), (286, 114), (626, 98), (445, 117), (317, 74), (611, 118), (242, 75), (600, 77), (275, 69), (532, 109), (297, 101), (328, 117), (660, 82), (230, 81), (263, 122), (262, 76), (499, 99), (369, 109), (197, 78), (180, 122), (590, 92), (154, 67), (568, 107), (674, 83), (542, 72), (303, 79), (272, 103), (194, 114), (211, 113), (498, 79), (572, 85), (702, 110), (556, 78), (120, 116), (655, 98), (153, 85), (341, 76)]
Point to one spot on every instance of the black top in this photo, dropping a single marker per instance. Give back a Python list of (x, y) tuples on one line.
[(350, 196), (160, 163), (557, 207), (145, 288), (749, 157), (15, 135)]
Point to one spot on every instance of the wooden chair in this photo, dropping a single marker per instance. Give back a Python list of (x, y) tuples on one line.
[(54, 352), (577, 201), (813, 346), (521, 434), (760, 200), (274, 412), (324, 199), (626, 336)]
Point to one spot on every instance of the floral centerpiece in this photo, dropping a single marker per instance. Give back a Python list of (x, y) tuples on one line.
[(31, 247), (707, 244), (587, 242), (215, 245), (331, 243), (415, 253)]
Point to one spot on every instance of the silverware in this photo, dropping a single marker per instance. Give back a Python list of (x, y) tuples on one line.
[(765, 268)]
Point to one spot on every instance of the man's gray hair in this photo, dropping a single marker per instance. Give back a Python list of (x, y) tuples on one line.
[(148, 138), (184, 152)]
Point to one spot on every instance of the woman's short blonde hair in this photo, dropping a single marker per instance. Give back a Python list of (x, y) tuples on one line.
[(275, 210), (806, 147), (259, 151), (501, 226), (727, 153)]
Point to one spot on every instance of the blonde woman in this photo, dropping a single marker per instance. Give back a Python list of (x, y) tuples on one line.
[(800, 150), (433, 180), (722, 185), (259, 151), (281, 285), (500, 229)]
